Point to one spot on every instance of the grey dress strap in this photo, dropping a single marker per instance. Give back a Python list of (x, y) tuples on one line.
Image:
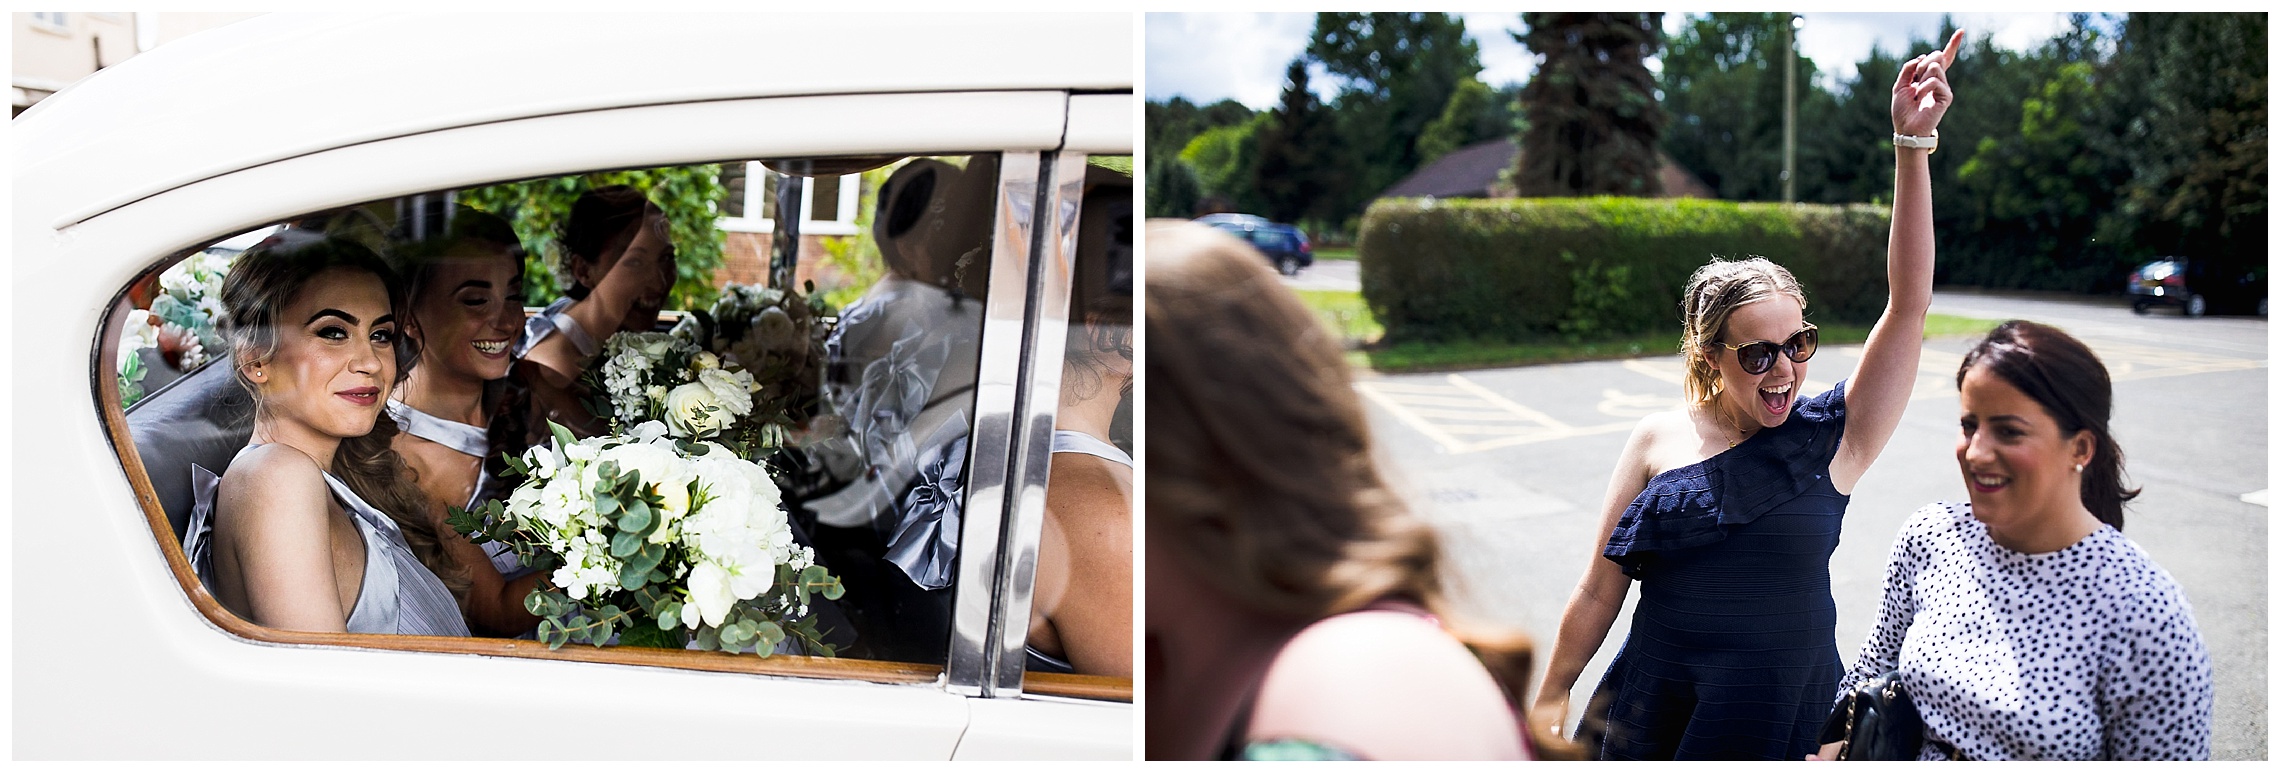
[(467, 439), (556, 319), (1073, 442), (400, 595)]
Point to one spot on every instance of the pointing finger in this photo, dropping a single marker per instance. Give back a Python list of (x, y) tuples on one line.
[(1954, 46)]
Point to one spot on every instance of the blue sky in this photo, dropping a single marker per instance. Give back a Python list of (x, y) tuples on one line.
[(1211, 56)]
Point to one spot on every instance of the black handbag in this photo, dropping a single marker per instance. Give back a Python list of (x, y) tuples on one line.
[(1876, 721)]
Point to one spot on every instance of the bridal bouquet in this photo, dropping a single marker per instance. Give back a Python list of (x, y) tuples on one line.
[(659, 540), (776, 335), (643, 377)]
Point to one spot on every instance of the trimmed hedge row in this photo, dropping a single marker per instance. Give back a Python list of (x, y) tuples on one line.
[(1518, 269)]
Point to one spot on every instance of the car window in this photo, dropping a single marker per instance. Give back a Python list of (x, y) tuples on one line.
[(1077, 623), (862, 372)]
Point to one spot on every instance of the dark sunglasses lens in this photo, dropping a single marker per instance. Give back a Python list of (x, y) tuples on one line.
[(1801, 346), (1756, 358)]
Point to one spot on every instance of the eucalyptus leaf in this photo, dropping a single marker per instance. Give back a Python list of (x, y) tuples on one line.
[(624, 544), (636, 521), (669, 617), (562, 435)]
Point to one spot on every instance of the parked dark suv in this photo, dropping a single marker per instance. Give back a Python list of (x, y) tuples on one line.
[(2199, 286), (1284, 245)]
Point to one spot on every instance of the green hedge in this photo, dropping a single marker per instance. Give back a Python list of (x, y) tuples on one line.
[(1519, 269)]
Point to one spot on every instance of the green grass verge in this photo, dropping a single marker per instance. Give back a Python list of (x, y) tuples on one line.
[(1346, 314), (1334, 253)]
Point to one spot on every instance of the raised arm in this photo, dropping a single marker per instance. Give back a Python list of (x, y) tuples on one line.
[(273, 537), (1598, 596), (1878, 391)]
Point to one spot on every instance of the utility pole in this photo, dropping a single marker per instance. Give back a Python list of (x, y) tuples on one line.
[(1789, 109)]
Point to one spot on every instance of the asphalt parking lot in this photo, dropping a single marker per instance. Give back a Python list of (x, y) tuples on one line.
[(1512, 464)]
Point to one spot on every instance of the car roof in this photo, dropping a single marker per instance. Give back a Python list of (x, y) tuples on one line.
[(283, 85)]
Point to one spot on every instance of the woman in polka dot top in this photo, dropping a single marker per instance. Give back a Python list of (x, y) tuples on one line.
[(2024, 623)]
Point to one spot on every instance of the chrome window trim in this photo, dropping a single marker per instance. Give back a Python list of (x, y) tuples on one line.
[(1049, 287), (997, 388)]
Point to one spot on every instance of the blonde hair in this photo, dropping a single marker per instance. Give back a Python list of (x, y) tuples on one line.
[(1712, 294)]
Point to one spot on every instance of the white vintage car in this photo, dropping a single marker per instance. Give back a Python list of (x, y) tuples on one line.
[(119, 652)]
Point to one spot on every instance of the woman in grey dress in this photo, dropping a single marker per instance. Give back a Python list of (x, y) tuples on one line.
[(315, 526), (463, 313)]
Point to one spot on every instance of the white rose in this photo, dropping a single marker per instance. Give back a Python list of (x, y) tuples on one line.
[(704, 361), (693, 410), (657, 393), (654, 345), (732, 388), (650, 430), (710, 593)]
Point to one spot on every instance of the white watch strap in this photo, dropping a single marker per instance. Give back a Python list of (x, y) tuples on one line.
[(1930, 142)]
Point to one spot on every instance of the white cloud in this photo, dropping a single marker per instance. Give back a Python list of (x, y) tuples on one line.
[(1207, 57)]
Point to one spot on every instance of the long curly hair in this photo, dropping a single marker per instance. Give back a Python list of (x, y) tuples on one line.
[(1260, 457), (261, 283)]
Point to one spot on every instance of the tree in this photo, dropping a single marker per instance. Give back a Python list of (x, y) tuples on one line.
[(1397, 72), (1297, 153), (1593, 121), (1173, 190), (1472, 115), (2199, 149), (1175, 184), (1722, 88), (1225, 160)]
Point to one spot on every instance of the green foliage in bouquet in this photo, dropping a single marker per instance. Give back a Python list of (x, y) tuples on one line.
[(696, 551)]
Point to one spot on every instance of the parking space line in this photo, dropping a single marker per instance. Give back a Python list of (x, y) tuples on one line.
[(1463, 416)]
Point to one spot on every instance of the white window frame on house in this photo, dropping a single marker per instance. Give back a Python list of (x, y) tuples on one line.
[(755, 196), (51, 21)]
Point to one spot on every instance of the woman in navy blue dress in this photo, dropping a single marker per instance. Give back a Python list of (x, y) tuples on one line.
[(1726, 511)]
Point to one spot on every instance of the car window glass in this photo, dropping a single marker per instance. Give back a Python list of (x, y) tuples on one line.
[(870, 356), (1081, 618)]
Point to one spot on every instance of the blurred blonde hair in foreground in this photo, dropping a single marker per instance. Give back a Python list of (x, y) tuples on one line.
[(1259, 464)]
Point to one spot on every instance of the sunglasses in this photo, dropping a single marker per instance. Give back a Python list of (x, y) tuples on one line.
[(1756, 357)]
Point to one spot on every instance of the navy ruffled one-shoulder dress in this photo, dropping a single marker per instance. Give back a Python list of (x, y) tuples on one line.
[(1732, 652)]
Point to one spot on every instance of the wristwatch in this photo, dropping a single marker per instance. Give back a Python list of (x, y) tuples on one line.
[(1930, 144)]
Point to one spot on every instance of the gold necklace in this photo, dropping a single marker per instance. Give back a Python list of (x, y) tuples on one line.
[(1737, 430)]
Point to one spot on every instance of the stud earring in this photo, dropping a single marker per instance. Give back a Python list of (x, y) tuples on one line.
[(2078, 469)]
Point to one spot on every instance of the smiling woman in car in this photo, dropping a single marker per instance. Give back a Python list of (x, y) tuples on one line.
[(463, 313), (317, 526)]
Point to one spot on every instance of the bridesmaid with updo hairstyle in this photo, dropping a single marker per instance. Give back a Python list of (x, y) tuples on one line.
[(464, 311), (619, 260), (317, 525), (2022, 622)]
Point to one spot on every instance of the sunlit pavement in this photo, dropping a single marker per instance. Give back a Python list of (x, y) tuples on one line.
[(1514, 464), (1328, 275)]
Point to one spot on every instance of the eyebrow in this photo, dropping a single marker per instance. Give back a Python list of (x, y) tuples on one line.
[(480, 284), (385, 319)]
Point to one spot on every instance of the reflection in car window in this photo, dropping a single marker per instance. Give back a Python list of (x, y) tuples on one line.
[(873, 447), (1081, 614)]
